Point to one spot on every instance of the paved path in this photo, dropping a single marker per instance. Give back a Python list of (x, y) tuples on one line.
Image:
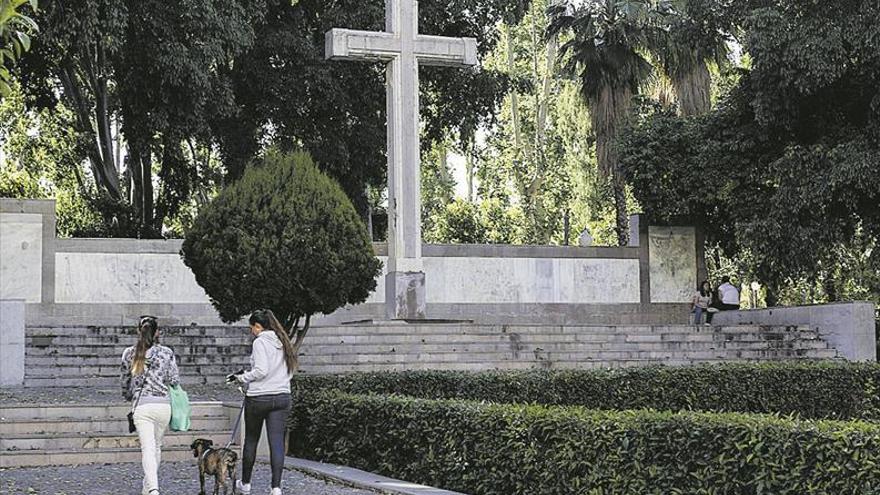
[(175, 478)]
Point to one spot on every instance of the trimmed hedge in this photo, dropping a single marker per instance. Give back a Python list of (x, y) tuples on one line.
[(509, 449), (809, 390)]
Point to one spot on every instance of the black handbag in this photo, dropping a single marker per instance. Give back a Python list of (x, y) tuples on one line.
[(131, 427)]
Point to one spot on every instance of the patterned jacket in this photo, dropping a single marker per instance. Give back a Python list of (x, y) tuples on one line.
[(160, 372)]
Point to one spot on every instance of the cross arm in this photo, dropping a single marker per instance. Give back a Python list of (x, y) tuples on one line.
[(445, 51), (350, 44)]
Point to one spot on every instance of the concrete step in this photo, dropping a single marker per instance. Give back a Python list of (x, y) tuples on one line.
[(539, 353), (34, 458), (130, 331), (115, 424), (114, 360), (110, 349), (103, 440), (524, 365), (89, 411), (635, 342), (65, 335), (450, 352), (65, 370), (107, 381)]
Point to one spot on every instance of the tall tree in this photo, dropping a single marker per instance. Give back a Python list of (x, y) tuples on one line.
[(607, 54), (695, 35), (785, 171), (159, 70)]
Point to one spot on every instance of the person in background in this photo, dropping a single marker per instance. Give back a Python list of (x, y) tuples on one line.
[(148, 369), (273, 362), (701, 301), (728, 296)]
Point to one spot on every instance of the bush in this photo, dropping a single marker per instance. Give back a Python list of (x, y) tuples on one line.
[(810, 390), (509, 449), (283, 237)]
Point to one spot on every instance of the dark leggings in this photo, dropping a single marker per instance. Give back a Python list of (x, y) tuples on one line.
[(273, 409)]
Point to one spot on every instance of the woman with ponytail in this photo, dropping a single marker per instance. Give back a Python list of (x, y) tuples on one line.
[(267, 400), (148, 369)]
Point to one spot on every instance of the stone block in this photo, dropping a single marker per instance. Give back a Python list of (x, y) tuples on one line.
[(12, 342), (405, 295), (848, 327)]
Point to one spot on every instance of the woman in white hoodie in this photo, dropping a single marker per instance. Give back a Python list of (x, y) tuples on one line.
[(268, 396)]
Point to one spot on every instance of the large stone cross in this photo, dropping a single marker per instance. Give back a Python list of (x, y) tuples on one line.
[(403, 48)]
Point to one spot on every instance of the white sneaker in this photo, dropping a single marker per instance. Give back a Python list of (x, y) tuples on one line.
[(243, 488), (275, 491)]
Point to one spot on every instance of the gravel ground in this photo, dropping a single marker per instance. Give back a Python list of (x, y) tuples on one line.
[(91, 395), (175, 478)]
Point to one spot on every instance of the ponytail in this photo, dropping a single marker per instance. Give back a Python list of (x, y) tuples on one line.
[(147, 338), (266, 318)]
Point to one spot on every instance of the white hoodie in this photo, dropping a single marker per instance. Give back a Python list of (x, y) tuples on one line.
[(268, 374)]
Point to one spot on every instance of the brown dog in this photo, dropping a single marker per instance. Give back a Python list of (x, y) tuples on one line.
[(219, 462)]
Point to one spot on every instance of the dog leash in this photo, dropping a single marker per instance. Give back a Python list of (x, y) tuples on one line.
[(237, 419)]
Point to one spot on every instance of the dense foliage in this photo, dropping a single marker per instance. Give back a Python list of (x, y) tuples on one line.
[(16, 29), (288, 93), (143, 77), (283, 237), (483, 448), (809, 390), (162, 93), (786, 171)]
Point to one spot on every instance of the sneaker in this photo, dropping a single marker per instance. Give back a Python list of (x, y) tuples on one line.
[(243, 488), (275, 491)]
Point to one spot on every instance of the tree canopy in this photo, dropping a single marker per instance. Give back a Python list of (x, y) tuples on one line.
[(283, 237), (787, 169)]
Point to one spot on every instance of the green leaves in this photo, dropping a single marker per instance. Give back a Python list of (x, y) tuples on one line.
[(508, 449), (15, 29), (808, 390), (283, 237)]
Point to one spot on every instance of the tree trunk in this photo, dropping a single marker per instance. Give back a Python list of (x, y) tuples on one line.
[(693, 90), (830, 287), (608, 110), (514, 98), (566, 228), (469, 167), (622, 216)]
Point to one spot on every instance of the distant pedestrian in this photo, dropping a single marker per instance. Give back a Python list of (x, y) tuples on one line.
[(273, 362), (148, 369), (701, 301), (728, 296)]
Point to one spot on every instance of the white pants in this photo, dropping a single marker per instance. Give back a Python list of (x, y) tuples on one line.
[(151, 421)]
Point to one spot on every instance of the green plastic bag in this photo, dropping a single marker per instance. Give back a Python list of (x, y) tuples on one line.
[(180, 409)]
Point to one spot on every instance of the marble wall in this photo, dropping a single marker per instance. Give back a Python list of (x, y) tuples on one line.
[(63, 274), (83, 277), (672, 261), (21, 256)]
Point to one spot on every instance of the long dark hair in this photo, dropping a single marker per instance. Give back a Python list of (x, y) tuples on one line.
[(266, 318), (148, 329), (704, 292)]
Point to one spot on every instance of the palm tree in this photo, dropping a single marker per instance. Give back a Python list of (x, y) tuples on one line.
[(694, 36), (607, 54), (15, 29)]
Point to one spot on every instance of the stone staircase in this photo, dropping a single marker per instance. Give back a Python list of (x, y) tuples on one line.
[(479, 347), (66, 434), (90, 356)]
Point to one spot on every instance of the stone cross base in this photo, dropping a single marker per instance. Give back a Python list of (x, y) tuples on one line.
[(405, 295)]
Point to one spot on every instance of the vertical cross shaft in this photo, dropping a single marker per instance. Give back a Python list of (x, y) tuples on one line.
[(403, 49)]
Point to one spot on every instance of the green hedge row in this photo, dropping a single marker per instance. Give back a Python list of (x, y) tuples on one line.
[(512, 449), (809, 390)]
